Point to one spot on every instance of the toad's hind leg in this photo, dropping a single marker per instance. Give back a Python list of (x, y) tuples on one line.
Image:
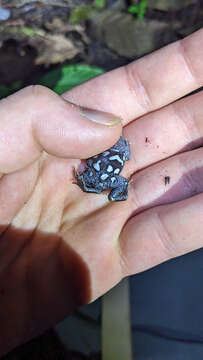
[(83, 184), (120, 192)]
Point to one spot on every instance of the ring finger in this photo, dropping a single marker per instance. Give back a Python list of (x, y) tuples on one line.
[(171, 180)]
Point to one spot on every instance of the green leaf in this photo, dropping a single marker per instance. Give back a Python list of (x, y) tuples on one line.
[(59, 80), (139, 9), (51, 78), (6, 91), (133, 9), (69, 76), (143, 7)]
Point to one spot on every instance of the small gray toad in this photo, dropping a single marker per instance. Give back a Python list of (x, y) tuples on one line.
[(102, 172)]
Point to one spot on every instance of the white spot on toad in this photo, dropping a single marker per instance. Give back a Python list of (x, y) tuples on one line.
[(104, 176), (109, 168), (116, 157), (96, 165)]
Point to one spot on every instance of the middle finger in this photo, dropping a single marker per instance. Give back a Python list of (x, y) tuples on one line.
[(175, 128)]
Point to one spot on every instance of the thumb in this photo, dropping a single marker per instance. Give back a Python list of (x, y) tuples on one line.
[(36, 119)]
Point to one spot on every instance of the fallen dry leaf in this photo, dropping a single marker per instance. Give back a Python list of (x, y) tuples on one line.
[(53, 49)]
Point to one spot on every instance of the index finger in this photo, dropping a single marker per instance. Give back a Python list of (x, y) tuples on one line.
[(148, 83)]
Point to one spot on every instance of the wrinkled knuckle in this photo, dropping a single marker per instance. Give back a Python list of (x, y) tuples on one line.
[(192, 182), (137, 87), (186, 121), (164, 237), (188, 62), (134, 198)]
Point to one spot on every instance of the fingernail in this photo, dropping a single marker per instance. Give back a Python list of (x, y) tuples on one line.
[(100, 117)]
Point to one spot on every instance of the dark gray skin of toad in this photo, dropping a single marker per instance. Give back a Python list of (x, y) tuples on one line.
[(102, 172)]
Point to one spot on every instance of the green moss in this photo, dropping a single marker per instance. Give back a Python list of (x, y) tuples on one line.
[(28, 31), (99, 4), (25, 31), (32, 32), (80, 13)]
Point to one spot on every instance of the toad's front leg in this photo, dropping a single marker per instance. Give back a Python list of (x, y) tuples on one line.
[(120, 190)]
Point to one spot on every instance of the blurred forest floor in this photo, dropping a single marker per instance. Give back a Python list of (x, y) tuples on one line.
[(36, 36)]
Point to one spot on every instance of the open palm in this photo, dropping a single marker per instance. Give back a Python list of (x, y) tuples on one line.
[(60, 247)]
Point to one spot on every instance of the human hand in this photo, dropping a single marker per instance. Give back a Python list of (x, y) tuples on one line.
[(61, 247)]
